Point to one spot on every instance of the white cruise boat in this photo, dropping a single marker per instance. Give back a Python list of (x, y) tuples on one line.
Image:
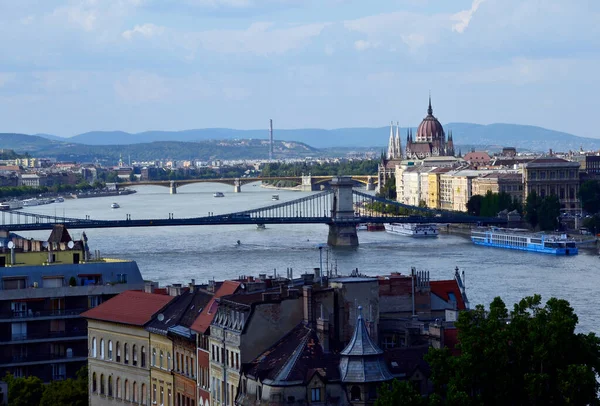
[(11, 205), (31, 202), (275, 197), (412, 229), (114, 206), (218, 194), (362, 227)]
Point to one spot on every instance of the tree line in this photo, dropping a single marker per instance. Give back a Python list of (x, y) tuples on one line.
[(31, 391), (363, 167), (528, 356)]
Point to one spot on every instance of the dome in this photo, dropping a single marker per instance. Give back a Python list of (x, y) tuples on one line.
[(430, 128)]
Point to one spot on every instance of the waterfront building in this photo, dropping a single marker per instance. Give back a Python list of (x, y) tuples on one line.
[(45, 286), (433, 178), (510, 183), (462, 187), (553, 176), (430, 140), (119, 356)]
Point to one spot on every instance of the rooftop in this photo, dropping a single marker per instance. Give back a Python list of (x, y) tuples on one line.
[(202, 322), (130, 307), (182, 310)]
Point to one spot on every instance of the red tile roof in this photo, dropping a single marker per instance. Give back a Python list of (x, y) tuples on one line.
[(130, 307), (443, 288), (207, 315)]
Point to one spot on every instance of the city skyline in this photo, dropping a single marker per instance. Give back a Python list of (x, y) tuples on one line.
[(134, 65)]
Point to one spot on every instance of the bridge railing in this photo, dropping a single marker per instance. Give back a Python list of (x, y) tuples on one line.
[(21, 217), (316, 205)]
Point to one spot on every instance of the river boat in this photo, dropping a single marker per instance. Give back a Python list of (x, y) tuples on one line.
[(361, 227), (31, 202), (59, 199), (275, 197), (412, 229), (218, 194), (516, 239), (261, 227), (114, 206), (11, 205)]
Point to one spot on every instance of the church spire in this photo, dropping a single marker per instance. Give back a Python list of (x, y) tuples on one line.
[(398, 142), (429, 109), (391, 152)]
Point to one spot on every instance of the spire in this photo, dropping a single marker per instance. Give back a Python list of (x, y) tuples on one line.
[(407, 136), (361, 343), (398, 142), (429, 109), (391, 152)]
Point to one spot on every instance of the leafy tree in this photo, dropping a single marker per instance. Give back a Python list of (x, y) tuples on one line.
[(24, 391), (530, 356), (474, 205), (388, 191), (592, 223), (398, 393), (72, 392), (549, 212), (589, 193), (532, 206)]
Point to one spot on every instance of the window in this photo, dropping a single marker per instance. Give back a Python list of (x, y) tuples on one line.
[(315, 395), (110, 350), (110, 387), (162, 396), (143, 357), (237, 360), (126, 389), (118, 352), (169, 397), (187, 370), (134, 351), (154, 393), (355, 393), (94, 354), (169, 361), (126, 351), (161, 359), (213, 354), (192, 366), (102, 384), (135, 394), (119, 391), (259, 393), (94, 383), (143, 394), (93, 301), (14, 283), (101, 348), (154, 359)]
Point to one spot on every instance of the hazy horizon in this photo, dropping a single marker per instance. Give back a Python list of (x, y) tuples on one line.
[(74, 66)]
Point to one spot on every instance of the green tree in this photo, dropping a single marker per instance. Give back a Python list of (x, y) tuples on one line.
[(549, 213), (24, 391), (530, 356), (388, 191), (589, 193), (474, 205), (70, 392), (532, 207), (398, 393)]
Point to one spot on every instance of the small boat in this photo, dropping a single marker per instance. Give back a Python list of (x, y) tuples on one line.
[(59, 199), (412, 230), (218, 194), (11, 205), (361, 227), (115, 206), (516, 239), (275, 197), (31, 202), (260, 227)]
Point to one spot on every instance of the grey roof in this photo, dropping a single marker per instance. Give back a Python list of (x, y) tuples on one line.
[(362, 360)]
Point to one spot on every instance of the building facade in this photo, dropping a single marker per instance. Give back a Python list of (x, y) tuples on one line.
[(553, 176)]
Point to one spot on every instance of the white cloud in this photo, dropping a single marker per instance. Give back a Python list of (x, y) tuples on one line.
[(142, 87), (464, 17), (145, 30), (362, 45)]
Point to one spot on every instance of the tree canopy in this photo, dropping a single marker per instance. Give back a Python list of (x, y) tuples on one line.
[(529, 356), (589, 193), (543, 212), (492, 203)]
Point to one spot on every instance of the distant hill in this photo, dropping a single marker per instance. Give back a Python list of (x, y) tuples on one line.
[(491, 136)]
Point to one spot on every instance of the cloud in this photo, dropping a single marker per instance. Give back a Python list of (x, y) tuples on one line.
[(142, 87), (145, 30), (362, 45), (464, 17)]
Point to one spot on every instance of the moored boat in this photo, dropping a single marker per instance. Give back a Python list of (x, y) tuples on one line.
[(218, 194), (275, 197), (361, 227), (412, 229), (11, 205), (31, 202), (516, 239), (115, 206)]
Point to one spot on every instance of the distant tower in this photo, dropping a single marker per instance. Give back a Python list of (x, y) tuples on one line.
[(270, 139), (391, 153), (398, 142)]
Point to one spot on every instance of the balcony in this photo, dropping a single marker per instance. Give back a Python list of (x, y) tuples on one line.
[(37, 359), (27, 338), (40, 314)]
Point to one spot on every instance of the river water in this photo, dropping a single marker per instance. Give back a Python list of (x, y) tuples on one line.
[(178, 254)]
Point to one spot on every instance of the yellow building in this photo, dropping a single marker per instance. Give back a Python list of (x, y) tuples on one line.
[(161, 364)]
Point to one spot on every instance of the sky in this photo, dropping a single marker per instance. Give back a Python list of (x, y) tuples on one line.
[(68, 67)]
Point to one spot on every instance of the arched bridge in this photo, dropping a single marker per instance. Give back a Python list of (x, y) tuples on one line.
[(307, 183), (341, 208)]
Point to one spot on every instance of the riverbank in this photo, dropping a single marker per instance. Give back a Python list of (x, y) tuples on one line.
[(295, 188)]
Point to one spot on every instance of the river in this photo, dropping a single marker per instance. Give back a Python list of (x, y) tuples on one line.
[(178, 254)]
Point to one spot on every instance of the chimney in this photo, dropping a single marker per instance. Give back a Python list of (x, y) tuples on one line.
[(317, 274), (307, 296), (323, 330), (174, 290), (192, 286), (150, 286), (211, 285)]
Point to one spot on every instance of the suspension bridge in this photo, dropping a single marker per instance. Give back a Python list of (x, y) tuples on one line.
[(341, 208)]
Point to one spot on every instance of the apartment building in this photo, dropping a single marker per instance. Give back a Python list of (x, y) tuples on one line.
[(120, 354), (500, 182), (553, 176), (44, 288)]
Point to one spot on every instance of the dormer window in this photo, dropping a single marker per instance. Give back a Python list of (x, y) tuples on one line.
[(315, 394)]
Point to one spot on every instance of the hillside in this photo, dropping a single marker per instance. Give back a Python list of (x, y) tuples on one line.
[(465, 134)]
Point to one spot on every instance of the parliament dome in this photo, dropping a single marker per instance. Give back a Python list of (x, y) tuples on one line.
[(430, 128)]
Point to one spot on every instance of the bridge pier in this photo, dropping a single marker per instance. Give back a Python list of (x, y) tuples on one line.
[(370, 184), (173, 188), (237, 185), (307, 185), (342, 231)]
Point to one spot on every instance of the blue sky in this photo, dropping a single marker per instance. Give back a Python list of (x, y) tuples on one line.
[(74, 66)]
